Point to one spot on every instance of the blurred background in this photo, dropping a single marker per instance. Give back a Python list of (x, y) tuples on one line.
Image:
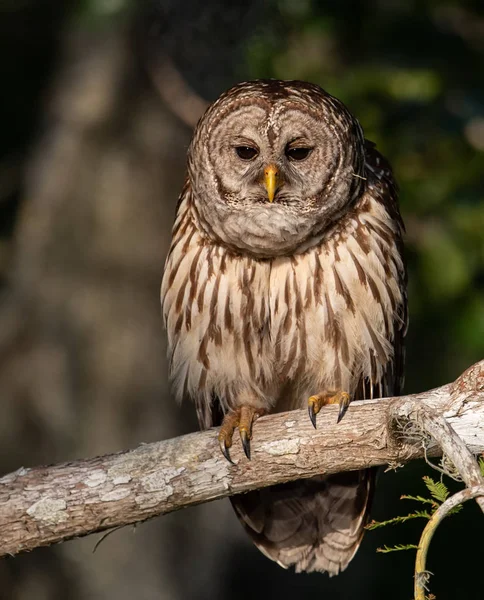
[(98, 101)]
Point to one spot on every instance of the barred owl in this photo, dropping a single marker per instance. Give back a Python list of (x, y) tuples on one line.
[(284, 288)]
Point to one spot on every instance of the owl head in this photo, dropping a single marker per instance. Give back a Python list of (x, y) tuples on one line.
[(272, 165)]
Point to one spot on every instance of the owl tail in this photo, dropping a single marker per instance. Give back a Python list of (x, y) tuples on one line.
[(314, 524)]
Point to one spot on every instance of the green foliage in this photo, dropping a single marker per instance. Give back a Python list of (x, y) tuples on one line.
[(102, 13), (396, 548), (417, 514), (439, 493), (438, 490)]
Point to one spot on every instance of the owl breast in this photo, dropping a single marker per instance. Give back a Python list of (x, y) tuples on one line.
[(277, 330)]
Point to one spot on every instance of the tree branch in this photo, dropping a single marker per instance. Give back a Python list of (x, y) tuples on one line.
[(461, 464), (44, 505)]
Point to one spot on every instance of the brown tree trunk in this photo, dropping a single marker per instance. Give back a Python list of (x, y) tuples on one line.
[(83, 351)]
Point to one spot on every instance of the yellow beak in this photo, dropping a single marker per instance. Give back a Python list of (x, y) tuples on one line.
[(271, 181)]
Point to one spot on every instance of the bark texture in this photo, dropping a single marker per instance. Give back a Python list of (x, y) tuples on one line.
[(44, 505)]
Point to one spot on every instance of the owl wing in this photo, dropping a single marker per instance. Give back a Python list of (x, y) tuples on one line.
[(387, 194), (318, 524)]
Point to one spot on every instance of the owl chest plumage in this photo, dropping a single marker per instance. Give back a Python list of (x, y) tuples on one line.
[(271, 331)]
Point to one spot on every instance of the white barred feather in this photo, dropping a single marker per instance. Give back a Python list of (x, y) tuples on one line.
[(258, 317)]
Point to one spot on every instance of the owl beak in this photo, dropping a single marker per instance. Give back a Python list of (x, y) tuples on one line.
[(271, 181)]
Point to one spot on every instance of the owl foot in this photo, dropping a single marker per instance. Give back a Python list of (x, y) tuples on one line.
[(243, 419), (315, 403)]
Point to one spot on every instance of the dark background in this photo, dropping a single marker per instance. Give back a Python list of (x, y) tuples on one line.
[(97, 103)]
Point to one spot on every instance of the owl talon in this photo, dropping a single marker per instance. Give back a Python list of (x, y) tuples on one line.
[(224, 447), (244, 436), (344, 402), (314, 406), (315, 403), (312, 410), (243, 419), (225, 451)]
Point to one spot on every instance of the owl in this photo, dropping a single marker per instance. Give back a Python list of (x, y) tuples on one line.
[(285, 288)]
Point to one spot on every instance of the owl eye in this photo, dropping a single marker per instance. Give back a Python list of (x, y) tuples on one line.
[(297, 153), (246, 152)]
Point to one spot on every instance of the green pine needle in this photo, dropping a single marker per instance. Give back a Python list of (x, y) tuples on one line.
[(418, 514), (420, 499), (397, 548), (437, 489), (439, 494)]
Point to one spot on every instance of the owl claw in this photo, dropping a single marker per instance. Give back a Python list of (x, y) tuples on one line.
[(225, 450), (315, 403), (241, 418), (244, 436), (344, 402), (314, 406), (312, 412)]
